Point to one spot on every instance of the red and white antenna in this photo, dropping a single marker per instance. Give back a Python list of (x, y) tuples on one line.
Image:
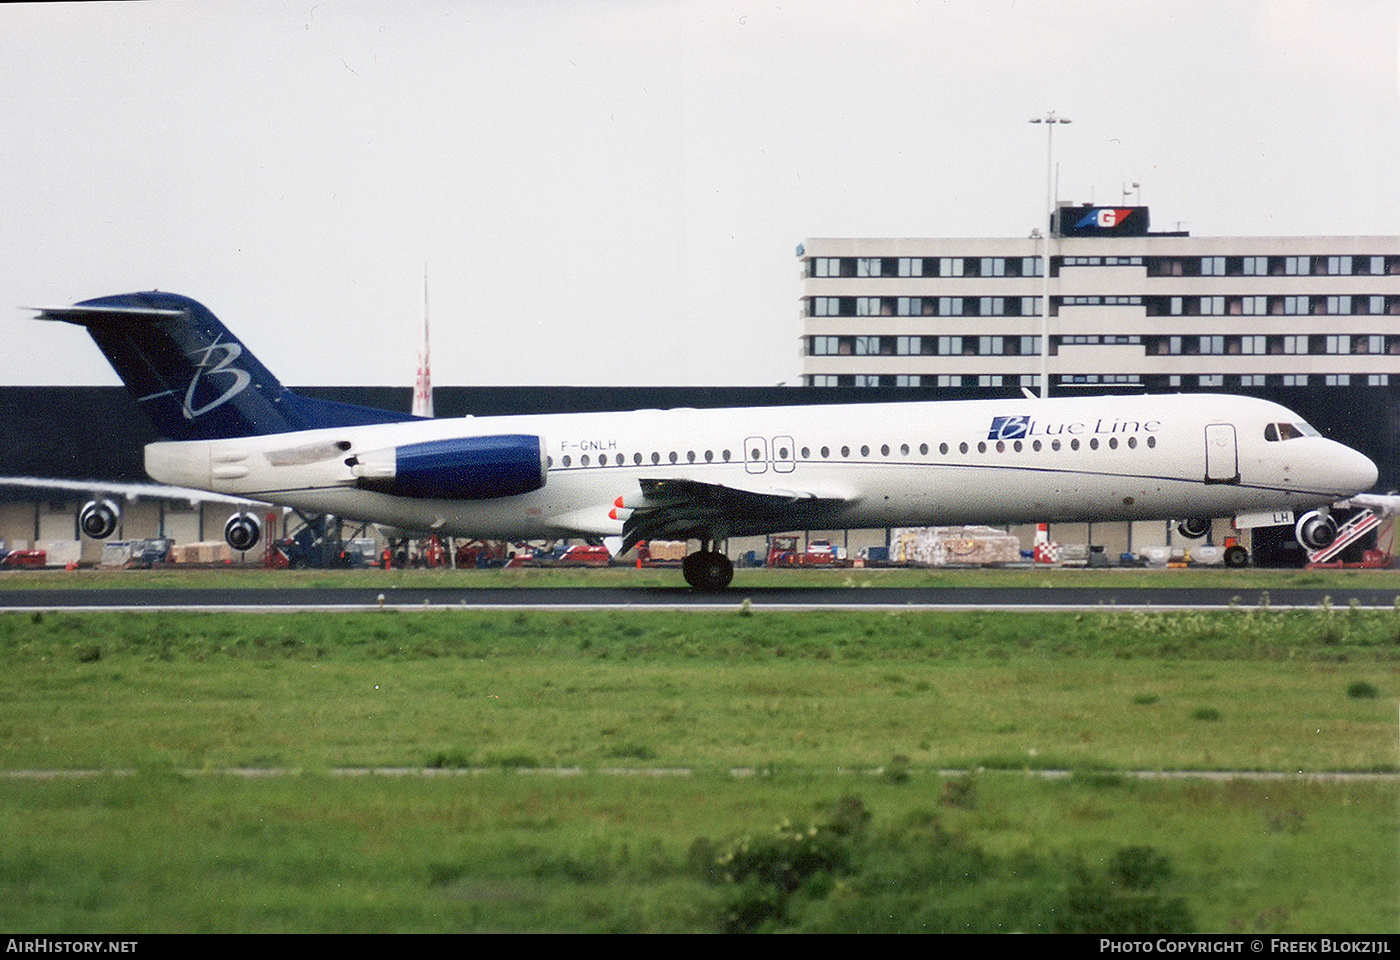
[(423, 386)]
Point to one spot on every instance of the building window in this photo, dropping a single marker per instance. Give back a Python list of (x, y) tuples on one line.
[(824, 380), (950, 346), (1338, 380), (1252, 380), (1378, 380), (908, 346), (1212, 266), (867, 380), (949, 380), (907, 380), (1255, 266), (1295, 379), (1338, 343), (825, 346)]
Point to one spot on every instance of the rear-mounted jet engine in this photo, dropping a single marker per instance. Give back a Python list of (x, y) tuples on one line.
[(463, 468)]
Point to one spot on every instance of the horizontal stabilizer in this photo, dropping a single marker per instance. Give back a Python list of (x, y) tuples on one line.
[(87, 315)]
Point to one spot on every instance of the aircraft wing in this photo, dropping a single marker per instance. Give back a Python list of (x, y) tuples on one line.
[(128, 491), (1383, 505), (681, 509)]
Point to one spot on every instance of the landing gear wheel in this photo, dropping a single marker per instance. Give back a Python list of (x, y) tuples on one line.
[(708, 570), (1236, 556)]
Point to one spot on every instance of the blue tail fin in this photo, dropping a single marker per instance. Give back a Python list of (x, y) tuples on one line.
[(192, 378)]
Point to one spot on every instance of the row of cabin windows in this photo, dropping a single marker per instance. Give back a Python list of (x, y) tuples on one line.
[(620, 459), (1170, 345), (845, 451), (1263, 305), (1210, 266)]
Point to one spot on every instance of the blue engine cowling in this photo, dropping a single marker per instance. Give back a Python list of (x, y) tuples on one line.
[(463, 468)]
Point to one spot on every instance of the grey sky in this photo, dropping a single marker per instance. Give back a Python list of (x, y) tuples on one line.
[(612, 191)]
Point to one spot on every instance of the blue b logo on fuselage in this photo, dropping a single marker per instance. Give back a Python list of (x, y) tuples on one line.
[(1009, 428)]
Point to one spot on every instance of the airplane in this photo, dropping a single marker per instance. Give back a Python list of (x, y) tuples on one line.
[(228, 426)]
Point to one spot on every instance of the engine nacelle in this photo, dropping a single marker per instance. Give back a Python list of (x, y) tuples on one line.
[(463, 468), (1194, 528), (242, 531), (98, 519), (1315, 530)]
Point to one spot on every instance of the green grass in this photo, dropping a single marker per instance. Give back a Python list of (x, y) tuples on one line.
[(744, 578), (501, 851), (558, 771)]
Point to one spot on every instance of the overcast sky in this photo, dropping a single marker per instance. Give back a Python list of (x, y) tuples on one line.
[(611, 192)]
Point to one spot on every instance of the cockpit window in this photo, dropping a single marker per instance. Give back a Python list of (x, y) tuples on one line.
[(1288, 431)]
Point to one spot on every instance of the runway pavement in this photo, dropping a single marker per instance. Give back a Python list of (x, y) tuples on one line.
[(677, 598)]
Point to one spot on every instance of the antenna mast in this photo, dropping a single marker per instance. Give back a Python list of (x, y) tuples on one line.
[(423, 386)]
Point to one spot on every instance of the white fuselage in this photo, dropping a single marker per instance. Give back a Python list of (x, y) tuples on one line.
[(879, 464)]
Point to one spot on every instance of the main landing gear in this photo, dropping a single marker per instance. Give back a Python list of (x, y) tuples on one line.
[(707, 569)]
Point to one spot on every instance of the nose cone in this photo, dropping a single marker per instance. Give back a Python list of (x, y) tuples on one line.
[(1354, 472)]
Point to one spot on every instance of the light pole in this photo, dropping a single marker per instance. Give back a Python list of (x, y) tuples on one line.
[(1050, 119)]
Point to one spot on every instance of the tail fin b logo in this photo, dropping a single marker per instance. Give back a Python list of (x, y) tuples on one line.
[(236, 378)]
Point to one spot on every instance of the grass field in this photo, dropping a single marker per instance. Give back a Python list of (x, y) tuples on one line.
[(744, 578), (646, 772)]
